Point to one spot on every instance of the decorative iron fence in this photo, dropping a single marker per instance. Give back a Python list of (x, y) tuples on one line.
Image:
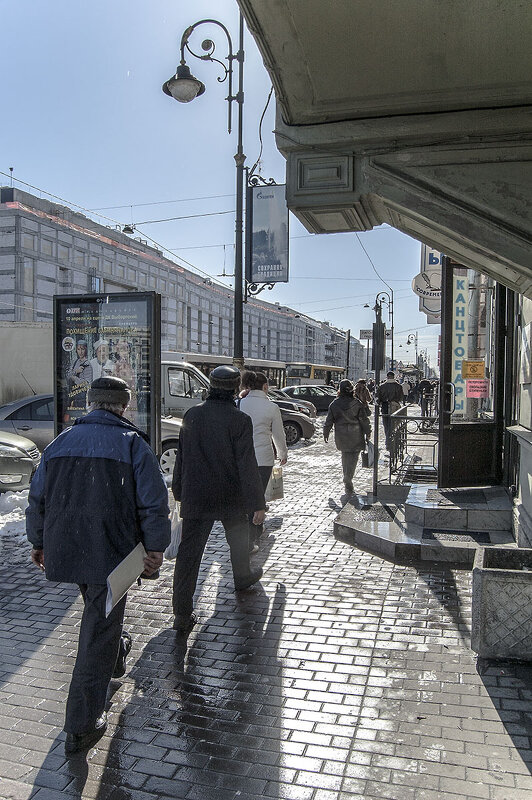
[(413, 446)]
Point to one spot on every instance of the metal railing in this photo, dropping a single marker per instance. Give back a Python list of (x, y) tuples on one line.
[(412, 445)]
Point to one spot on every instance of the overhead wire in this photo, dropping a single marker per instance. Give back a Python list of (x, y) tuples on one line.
[(163, 202)]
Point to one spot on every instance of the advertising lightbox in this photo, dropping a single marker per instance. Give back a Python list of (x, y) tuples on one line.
[(108, 334)]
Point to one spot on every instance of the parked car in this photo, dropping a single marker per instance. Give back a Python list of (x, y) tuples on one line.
[(35, 415), (284, 401), (296, 426), (19, 458), (32, 417), (312, 394)]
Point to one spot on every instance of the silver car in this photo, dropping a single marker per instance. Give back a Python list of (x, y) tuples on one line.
[(34, 416), (19, 458)]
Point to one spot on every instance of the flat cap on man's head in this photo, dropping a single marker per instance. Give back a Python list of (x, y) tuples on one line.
[(225, 377), (109, 390), (99, 343)]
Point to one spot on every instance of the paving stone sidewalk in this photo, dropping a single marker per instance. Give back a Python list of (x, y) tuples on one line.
[(342, 676)]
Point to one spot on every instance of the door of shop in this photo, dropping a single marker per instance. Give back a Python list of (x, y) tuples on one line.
[(472, 378)]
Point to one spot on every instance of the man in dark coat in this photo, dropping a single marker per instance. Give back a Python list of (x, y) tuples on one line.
[(351, 429), (97, 493), (216, 477), (390, 398)]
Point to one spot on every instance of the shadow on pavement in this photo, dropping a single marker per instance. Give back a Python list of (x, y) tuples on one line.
[(509, 685), (199, 723)]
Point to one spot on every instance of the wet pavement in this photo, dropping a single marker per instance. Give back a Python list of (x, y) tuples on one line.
[(341, 676)]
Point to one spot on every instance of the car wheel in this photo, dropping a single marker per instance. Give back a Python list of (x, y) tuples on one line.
[(292, 431), (167, 459)]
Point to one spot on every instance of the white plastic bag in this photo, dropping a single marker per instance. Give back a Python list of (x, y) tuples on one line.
[(274, 489), (176, 530)]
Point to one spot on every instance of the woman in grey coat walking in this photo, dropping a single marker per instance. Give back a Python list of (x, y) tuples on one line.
[(351, 429)]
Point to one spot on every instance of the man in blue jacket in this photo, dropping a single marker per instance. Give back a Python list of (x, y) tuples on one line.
[(97, 492)]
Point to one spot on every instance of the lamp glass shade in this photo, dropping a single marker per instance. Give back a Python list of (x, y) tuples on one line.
[(183, 86)]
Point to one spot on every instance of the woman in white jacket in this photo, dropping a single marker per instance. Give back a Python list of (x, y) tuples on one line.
[(268, 431)]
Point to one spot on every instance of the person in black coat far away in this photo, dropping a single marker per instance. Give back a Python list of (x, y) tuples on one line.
[(216, 477)]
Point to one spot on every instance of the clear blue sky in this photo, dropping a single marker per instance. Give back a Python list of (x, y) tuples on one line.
[(84, 118)]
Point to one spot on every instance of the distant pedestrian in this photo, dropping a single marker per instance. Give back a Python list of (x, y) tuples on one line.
[(268, 433), (216, 477), (97, 492), (390, 398), (426, 395), (351, 429), (363, 394)]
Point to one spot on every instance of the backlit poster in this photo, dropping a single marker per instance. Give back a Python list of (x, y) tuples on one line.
[(109, 334), (266, 234)]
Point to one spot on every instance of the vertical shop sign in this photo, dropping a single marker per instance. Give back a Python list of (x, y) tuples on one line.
[(460, 334), (108, 334)]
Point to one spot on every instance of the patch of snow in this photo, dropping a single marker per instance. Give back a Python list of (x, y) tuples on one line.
[(12, 518)]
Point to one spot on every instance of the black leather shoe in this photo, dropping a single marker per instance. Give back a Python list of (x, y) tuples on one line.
[(125, 649), (75, 742), (184, 624), (254, 576)]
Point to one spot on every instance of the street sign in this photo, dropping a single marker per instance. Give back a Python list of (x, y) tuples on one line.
[(477, 388), (368, 334), (473, 369)]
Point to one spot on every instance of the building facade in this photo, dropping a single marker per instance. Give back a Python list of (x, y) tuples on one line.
[(48, 249)]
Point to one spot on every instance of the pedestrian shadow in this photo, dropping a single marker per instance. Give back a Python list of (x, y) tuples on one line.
[(31, 610), (509, 685), (440, 579), (202, 722)]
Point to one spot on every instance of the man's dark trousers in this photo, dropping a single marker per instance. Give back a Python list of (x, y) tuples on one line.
[(99, 643), (195, 535)]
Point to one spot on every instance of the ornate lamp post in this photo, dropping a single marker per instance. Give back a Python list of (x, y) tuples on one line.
[(184, 87), (412, 339), (387, 299)]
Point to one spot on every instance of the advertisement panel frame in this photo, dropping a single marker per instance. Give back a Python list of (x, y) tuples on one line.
[(77, 320), (270, 230)]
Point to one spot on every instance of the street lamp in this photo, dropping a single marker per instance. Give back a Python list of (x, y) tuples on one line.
[(412, 339), (184, 87), (387, 299)]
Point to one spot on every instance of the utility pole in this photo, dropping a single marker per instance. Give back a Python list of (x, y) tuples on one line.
[(348, 352)]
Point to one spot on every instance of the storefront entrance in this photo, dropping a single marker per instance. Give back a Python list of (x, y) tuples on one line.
[(474, 378)]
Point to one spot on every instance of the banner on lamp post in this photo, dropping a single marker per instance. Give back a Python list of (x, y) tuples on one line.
[(266, 234)]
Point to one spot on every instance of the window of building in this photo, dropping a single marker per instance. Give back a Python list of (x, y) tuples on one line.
[(28, 241), (142, 279), (29, 275), (63, 278), (79, 258), (107, 265), (63, 253), (94, 262), (47, 247), (95, 284), (27, 310)]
